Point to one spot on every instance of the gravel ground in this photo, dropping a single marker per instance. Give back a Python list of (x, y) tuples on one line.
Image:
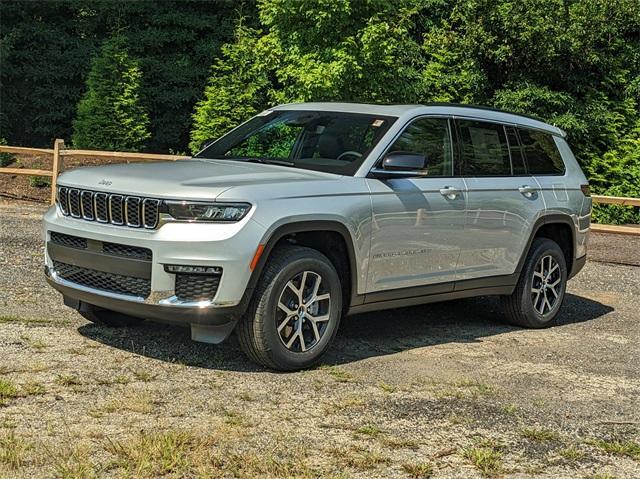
[(442, 390)]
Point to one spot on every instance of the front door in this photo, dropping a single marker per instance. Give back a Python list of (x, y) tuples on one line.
[(418, 221)]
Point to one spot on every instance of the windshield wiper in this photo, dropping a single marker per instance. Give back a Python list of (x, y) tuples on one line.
[(269, 161)]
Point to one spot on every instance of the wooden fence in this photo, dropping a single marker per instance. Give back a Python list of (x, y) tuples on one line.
[(59, 153)]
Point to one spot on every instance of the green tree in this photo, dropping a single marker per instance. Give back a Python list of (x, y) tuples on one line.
[(110, 115), (573, 63)]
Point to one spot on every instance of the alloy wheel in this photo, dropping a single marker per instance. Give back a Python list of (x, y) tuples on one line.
[(303, 311), (546, 286)]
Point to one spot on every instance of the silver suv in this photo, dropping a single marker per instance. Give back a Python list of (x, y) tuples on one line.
[(310, 212)]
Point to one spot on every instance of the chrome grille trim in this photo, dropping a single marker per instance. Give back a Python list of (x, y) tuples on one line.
[(101, 203), (74, 203), (150, 208), (116, 209), (86, 203), (132, 211), (116, 214)]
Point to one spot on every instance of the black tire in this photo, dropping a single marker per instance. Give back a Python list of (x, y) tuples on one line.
[(527, 308), (107, 317), (258, 332)]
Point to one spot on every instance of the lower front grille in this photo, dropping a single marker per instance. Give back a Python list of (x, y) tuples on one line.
[(196, 287), (112, 283), (68, 240), (116, 249)]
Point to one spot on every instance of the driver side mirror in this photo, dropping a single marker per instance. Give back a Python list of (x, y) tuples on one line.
[(404, 161)]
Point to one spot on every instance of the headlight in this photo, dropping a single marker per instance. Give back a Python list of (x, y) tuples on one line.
[(190, 210)]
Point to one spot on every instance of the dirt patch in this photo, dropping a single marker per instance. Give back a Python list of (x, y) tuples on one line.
[(444, 389)]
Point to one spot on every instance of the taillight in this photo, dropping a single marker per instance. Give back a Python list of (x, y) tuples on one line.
[(585, 190)]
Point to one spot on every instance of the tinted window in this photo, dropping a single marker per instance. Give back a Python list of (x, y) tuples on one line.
[(484, 150), (316, 140), (517, 160), (429, 137), (541, 153)]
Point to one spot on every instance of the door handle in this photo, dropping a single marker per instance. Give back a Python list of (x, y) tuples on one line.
[(450, 192), (527, 191)]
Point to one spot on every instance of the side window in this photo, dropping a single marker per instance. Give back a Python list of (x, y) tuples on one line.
[(517, 160), (483, 148), (429, 137), (541, 152)]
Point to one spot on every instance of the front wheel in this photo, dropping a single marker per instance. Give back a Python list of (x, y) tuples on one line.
[(538, 296), (295, 312)]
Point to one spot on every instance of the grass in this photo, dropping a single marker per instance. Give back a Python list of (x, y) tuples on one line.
[(619, 448), (8, 390), (119, 379), (571, 453), (369, 430), (359, 458), (245, 396), (336, 373), (176, 453), (158, 454), (144, 376), (13, 450), (140, 402), (68, 380), (487, 460), (388, 388), (22, 320), (539, 434), (73, 463), (422, 470), (33, 388), (233, 418)]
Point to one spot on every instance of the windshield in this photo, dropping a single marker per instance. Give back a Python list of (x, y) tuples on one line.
[(334, 142)]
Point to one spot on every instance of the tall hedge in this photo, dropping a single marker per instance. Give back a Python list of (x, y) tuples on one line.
[(46, 47), (110, 115)]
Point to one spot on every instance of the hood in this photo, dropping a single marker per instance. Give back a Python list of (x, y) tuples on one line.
[(190, 179)]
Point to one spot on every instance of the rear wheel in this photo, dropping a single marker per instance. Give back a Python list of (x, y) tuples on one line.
[(538, 296), (295, 311), (107, 317)]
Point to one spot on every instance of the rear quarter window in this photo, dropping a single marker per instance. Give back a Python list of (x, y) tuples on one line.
[(541, 153)]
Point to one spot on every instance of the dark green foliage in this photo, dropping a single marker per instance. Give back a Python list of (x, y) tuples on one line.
[(573, 63), (39, 181), (46, 47), (5, 158), (110, 115), (43, 61)]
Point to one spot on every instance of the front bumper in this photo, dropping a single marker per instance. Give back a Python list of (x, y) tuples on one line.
[(227, 246)]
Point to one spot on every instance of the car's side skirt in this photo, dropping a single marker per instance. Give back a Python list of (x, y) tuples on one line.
[(398, 298)]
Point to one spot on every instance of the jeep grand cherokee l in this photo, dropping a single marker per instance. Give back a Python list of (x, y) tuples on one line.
[(310, 212)]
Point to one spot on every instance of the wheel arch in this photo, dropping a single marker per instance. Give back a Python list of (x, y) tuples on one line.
[(302, 232), (559, 228)]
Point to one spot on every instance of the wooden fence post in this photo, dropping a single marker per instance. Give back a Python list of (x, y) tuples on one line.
[(58, 166)]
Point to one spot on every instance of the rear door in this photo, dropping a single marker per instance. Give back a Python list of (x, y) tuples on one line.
[(418, 221), (503, 200)]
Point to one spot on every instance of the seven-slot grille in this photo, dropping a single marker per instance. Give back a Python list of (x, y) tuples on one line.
[(103, 207)]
